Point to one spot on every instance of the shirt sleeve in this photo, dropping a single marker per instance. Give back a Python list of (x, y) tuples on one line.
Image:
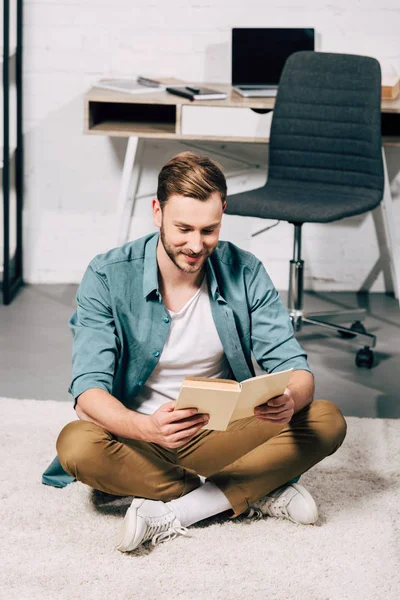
[(96, 345), (274, 345)]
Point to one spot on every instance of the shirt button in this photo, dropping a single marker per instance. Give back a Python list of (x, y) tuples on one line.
[(166, 320), (156, 353), (140, 382)]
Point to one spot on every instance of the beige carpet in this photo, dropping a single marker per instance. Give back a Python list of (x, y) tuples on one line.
[(58, 543)]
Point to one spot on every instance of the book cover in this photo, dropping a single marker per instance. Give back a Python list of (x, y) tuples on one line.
[(226, 400)]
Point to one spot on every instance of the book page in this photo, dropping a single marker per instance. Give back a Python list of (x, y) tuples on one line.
[(259, 390), (213, 383), (219, 404)]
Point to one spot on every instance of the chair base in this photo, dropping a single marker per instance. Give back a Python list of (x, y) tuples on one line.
[(364, 356), (329, 320)]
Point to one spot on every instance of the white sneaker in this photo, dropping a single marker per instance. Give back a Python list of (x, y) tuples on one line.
[(252, 513), (292, 502), (145, 520)]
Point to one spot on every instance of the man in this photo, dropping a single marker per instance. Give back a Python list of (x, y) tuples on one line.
[(182, 303)]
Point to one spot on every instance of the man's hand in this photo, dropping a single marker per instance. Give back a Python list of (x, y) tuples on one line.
[(171, 429), (277, 410)]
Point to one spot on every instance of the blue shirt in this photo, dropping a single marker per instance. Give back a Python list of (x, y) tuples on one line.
[(121, 324)]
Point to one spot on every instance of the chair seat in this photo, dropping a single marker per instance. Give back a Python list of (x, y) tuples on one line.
[(303, 202)]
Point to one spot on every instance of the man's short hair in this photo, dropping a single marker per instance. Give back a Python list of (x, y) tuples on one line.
[(187, 174)]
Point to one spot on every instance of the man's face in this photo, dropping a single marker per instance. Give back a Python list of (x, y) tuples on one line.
[(189, 229)]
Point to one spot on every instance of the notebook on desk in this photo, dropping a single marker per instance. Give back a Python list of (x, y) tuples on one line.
[(259, 55), (194, 92)]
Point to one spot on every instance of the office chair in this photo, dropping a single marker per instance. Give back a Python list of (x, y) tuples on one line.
[(325, 164)]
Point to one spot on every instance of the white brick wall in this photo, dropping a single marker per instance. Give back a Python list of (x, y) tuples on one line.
[(72, 180)]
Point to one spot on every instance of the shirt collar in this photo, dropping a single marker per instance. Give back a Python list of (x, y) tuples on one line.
[(150, 270), (150, 275), (212, 279)]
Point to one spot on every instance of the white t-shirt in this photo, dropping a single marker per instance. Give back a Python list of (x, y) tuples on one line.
[(193, 348)]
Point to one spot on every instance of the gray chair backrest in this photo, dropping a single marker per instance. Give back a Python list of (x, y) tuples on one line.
[(326, 126)]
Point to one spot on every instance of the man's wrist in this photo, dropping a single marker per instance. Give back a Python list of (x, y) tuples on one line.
[(138, 421)]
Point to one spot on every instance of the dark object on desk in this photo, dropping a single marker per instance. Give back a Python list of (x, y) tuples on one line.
[(149, 82), (325, 164), (197, 93), (259, 55)]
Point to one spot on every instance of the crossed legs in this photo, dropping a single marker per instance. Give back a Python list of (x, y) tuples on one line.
[(246, 462)]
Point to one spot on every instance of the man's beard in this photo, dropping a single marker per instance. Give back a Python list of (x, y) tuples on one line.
[(173, 255)]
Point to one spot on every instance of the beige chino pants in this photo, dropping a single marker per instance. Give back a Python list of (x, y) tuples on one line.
[(249, 460)]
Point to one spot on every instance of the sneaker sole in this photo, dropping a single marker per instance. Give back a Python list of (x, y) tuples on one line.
[(124, 541)]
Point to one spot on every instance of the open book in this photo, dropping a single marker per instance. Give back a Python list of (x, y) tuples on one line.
[(226, 400)]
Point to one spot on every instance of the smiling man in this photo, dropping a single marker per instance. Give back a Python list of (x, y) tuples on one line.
[(182, 303)]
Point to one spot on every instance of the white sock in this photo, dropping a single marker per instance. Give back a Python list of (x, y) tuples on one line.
[(203, 502)]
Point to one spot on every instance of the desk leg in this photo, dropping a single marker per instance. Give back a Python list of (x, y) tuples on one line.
[(389, 252), (129, 184), (388, 222)]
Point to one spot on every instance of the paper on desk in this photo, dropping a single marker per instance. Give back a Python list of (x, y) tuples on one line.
[(128, 85)]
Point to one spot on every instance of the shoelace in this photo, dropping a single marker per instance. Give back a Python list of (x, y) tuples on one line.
[(170, 534), (277, 505), (164, 530), (278, 509)]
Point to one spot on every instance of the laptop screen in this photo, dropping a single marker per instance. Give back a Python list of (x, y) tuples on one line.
[(259, 55)]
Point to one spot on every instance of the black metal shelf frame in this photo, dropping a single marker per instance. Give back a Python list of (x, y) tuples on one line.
[(12, 265)]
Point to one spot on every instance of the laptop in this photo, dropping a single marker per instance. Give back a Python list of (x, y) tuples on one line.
[(259, 55)]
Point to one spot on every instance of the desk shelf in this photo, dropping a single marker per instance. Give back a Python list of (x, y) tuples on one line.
[(391, 129), (125, 129), (391, 141), (146, 120)]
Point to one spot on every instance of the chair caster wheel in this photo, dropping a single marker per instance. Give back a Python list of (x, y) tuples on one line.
[(356, 326), (296, 323), (365, 358)]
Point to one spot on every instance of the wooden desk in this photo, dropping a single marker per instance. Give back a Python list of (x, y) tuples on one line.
[(160, 115)]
